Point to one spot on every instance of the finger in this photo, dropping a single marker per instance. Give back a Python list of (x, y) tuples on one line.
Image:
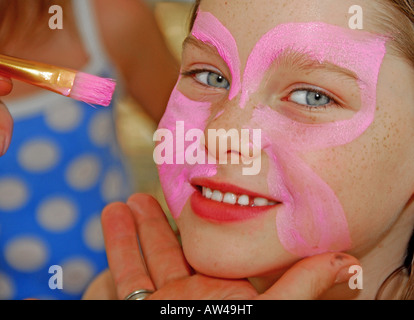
[(6, 121), (101, 288), (6, 85), (162, 251), (311, 277), (6, 128), (124, 257)]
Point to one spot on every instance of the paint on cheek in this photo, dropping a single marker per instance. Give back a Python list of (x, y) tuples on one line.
[(210, 30), (175, 178), (311, 220)]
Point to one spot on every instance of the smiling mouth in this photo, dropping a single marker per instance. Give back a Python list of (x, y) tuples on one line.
[(243, 200), (226, 203)]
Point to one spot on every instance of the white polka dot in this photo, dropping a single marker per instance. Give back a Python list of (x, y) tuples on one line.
[(93, 235), (38, 155), (64, 117), (101, 129), (57, 214), (83, 173), (112, 186), (13, 194), (26, 254), (77, 274), (7, 290)]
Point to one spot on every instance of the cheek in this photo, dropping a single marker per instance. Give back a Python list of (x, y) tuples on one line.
[(371, 177), (311, 219), (182, 115)]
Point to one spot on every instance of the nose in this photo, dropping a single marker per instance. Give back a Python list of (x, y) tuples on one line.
[(229, 135)]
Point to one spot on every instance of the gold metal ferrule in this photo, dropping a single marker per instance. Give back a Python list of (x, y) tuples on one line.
[(56, 79)]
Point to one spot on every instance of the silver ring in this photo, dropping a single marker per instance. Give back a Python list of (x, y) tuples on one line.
[(141, 294)]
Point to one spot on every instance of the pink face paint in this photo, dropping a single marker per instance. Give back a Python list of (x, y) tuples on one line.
[(360, 52), (175, 178), (312, 219), (209, 30)]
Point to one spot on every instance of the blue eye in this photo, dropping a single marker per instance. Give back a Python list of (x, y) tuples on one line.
[(212, 79), (310, 98)]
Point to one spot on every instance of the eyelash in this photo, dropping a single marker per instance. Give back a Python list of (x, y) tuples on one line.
[(194, 72), (333, 101)]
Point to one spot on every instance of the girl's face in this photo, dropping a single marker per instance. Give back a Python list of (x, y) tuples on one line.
[(335, 110)]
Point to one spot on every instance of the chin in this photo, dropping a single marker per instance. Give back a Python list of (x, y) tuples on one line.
[(233, 264), (233, 251)]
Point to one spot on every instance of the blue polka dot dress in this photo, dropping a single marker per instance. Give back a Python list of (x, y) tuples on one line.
[(63, 166)]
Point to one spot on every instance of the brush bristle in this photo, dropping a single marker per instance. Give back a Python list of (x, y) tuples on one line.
[(92, 89)]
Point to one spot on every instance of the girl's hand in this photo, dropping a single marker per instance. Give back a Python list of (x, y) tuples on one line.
[(6, 121), (164, 270)]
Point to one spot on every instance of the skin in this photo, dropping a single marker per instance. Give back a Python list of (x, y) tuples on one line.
[(6, 121), (163, 268), (372, 176), (375, 161)]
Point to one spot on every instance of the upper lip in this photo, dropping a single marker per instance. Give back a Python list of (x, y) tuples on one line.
[(228, 187)]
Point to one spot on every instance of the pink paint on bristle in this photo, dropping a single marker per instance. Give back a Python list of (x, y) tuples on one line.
[(92, 89)]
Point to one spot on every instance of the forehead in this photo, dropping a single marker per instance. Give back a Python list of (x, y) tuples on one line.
[(249, 20)]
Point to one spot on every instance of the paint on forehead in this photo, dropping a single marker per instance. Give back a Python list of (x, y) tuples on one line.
[(209, 29), (175, 178)]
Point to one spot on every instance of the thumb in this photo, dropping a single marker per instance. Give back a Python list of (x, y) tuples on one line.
[(311, 277), (6, 85)]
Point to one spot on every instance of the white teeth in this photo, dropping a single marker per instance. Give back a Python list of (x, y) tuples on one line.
[(230, 198), (217, 196), (243, 200), (208, 193), (260, 202)]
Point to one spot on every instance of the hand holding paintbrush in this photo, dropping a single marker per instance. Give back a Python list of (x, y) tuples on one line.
[(70, 83)]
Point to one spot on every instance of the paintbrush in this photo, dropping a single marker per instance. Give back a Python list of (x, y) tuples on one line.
[(70, 83)]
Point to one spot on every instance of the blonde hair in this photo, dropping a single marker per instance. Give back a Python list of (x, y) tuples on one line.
[(397, 18)]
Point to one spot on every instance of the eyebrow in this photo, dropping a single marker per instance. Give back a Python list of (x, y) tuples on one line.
[(303, 62), (190, 40), (289, 58)]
